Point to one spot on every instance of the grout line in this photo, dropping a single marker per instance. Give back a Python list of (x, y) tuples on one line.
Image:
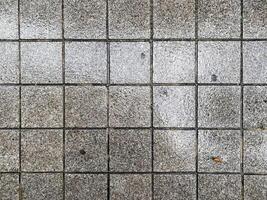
[(151, 93), (108, 85), (196, 91), (130, 84), (131, 172), (136, 40), (63, 92), (127, 128), (20, 125), (241, 100)]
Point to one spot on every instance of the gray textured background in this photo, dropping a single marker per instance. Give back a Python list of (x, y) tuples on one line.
[(133, 99)]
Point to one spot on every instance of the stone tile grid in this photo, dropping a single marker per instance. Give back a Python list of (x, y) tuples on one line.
[(152, 117)]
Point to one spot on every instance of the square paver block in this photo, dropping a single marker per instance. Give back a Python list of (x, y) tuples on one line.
[(174, 19), (9, 62), (255, 107), (86, 186), (42, 186), (174, 150), (86, 62), (178, 187), (174, 106), (9, 186), (219, 62), (255, 61), (41, 62), (42, 150), (254, 19), (86, 150), (9, 19), (130, 150), (40, 19), (130, 62), (86, 106), (130, 186), (135, 22), (219, 18), (9, 107), (41, 106), (219, 150), (219, 187), (219, 106), (255, 187), (9, 150), (85, 19), (174, 62), (255, 151), (130, 106)]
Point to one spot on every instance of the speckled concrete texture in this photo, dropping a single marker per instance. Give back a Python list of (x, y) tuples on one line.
[(86, 150), (130, 150), (133, 100), (130, 186), (219, 151), (174, 150), (178, 187), (84, 62), (219, 186), (9, 62)]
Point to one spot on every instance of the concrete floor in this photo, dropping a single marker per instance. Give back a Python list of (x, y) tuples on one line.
[(133, 99)]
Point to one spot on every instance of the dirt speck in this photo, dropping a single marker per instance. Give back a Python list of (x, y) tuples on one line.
[(217, 159)]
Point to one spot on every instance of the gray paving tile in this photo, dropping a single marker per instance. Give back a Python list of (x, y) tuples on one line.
[(41, 62), (130, 62), (86, 150), (174, 62), (9, 186), (42, 150), (255, 145), (86, 106), (130, 186), (86, 62), (174, 106), (255, 61), (42, 106), (130, 106), (9, 150), (130, 150), (174, 19), (219, 187), (219, 106), (85, 19), (219, 18), (219, 151), (174, 150), (254, 19), (40, 19), (255, 107), (178, 187), (9, 62), (44, 186), (86, 186), (255, 187), (9, 107), (219, 62), (135, 22), (9, 19)]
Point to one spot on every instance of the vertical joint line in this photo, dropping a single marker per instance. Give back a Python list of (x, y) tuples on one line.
[(19, 49), (63, 92), (196, 91), (151, 95), (108, 84), (241, 100)]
